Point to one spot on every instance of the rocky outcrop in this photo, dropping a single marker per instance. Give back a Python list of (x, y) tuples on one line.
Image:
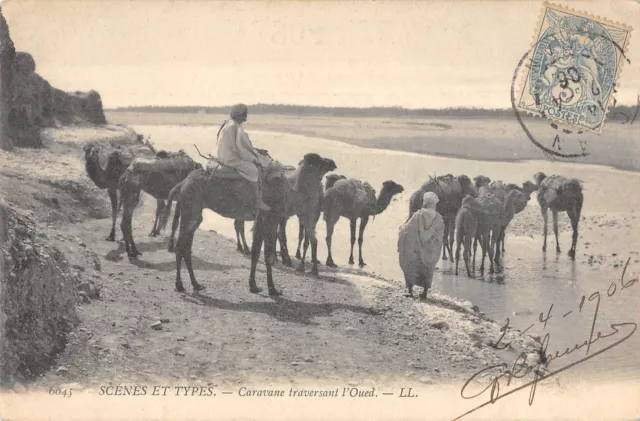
[(7, 57), (37, 298), (30, 103)]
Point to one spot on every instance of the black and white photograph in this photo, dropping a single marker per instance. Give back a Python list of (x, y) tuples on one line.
[(319, 210)]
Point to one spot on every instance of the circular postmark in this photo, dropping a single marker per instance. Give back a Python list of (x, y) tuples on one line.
[(570, 80)]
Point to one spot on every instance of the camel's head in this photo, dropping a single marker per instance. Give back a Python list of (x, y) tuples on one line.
[(529, 187), (91, 151), (311, 159), (331, 180), (481, 180), (467, 186), (328, 165), (391, 188), (315, 161), (139, 137), (538, 177), (520, 200)]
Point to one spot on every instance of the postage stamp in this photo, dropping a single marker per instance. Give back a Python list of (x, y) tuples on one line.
[(574, 63)]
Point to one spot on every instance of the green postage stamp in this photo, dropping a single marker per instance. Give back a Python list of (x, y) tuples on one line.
[(573, 66)]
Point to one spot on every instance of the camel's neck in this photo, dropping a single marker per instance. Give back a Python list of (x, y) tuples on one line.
[(307, 179), (382, 203), (95, 172)]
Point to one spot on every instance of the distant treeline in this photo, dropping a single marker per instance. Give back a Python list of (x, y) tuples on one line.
[(309, 110)]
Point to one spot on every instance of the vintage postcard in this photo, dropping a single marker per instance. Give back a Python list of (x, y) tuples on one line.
[(319, 210)]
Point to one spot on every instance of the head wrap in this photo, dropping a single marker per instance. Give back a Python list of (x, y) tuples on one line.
[(237, 110), (429, 200)]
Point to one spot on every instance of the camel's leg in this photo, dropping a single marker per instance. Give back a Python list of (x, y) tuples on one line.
[(492, 250), (179, 251), (134, 249), (301, 237), (495, 241), (475, 248), (304, 250), (467, 254), (282, 237), (484, 243), (574, 216), (130, 199), (271, 236), (554, 214), (445, 238), (236, 228), (452, 230), (363, 224), (458, 245), (330, 225), (187, 260), (174, 227), (353, 238), (545, 219), (409, 289), (256, 247), (156, 224), (238, 225), (179, 286), (501, 239), (113, 197), (310, 237), (245, 247), (189, 222), (306, 245)]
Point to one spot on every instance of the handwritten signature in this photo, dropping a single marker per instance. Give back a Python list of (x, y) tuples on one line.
[(521, 369)]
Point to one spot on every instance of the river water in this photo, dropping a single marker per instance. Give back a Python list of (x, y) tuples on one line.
[(531, 281)]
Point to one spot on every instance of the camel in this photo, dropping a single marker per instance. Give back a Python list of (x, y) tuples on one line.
[(520, 202), (104, 168), (560, 194), (450, 191), (308, 213), (226, 193), (330, 181), (355, 199), (155, 177), (466, 227), (487, 210), (481, 180)]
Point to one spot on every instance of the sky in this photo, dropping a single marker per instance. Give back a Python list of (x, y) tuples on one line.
[(414, 54)]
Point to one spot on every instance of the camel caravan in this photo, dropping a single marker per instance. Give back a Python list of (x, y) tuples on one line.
[(244, 183)]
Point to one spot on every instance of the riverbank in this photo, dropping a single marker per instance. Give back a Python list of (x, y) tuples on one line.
[(341, 327)]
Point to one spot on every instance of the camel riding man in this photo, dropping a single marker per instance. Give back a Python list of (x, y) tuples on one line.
[(235, 150)]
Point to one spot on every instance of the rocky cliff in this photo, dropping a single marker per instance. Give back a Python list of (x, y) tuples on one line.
[(29, 103), (7, 57), (37, 298)]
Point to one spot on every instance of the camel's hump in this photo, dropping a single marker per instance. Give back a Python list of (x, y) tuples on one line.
[(174, 164), (354, 191)]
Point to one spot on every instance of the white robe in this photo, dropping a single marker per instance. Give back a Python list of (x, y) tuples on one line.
[(419, 246), (238, 152)]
